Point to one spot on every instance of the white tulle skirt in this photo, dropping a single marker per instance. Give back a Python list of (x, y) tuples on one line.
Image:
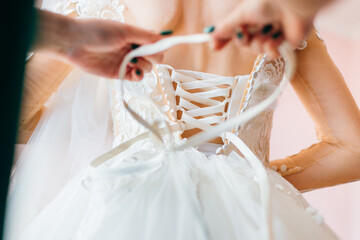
[(187, 196), (75, 128), (144, 193)]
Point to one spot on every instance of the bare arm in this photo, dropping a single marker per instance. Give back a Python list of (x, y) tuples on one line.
[(97, 46), (326, 97)]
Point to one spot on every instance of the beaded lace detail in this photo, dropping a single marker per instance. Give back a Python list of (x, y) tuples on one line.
[(137, 95), (256, 133)]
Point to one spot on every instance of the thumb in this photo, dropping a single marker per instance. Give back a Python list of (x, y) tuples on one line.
[(296, 29), (138, 35), (226, 28)]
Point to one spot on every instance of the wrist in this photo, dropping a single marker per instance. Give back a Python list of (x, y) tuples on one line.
[(55, 33)]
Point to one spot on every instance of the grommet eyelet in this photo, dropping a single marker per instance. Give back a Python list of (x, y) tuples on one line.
[(225, 147)]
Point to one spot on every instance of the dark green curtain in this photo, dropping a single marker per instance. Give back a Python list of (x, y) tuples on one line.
[(17, 29)]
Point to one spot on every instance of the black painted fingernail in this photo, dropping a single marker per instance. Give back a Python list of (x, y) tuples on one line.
[(239, 35), (134, 60), (166, 32), (266, 29), (138, 72), (276, 35), (209, 29), (134, 46)]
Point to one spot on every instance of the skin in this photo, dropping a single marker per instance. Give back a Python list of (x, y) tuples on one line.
[(96, 46), (183, 18), (335, 159)]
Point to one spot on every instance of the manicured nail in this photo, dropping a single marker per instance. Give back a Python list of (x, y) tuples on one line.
[(266, 29), (134, 60), (166, 32), (209, 29), (240, 35), (138, 72), (276, 35), (134, 46)]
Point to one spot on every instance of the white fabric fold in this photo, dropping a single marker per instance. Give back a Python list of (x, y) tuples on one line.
[(76, 125)]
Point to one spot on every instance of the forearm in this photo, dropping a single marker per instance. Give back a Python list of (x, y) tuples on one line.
[(55, 33), (326, 97), (322, 165), (38, 3)]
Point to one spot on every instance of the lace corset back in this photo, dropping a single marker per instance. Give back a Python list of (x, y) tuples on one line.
[(219, 97), (256, 133)]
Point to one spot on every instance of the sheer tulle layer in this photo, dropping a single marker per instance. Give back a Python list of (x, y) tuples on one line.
[(76, 127), (188, 196)]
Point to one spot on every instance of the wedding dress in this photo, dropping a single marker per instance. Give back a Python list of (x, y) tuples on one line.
[(155, 184)]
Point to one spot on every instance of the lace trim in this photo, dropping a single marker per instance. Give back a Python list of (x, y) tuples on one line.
[(262, 82), (253, 75), (104, 9), (225, 148), (125, 127)]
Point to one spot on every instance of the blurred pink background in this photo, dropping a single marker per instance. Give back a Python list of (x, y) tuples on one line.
[(339, 26)]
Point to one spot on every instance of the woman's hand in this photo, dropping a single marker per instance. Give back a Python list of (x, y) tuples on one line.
[(97, 46), (265, 24)]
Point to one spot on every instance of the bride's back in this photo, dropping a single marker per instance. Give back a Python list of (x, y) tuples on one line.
[(189, 17)]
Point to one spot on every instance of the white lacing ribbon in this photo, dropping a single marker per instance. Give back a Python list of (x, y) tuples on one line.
[(214, 111), (263, 180), (210, 131), (290, 63)]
